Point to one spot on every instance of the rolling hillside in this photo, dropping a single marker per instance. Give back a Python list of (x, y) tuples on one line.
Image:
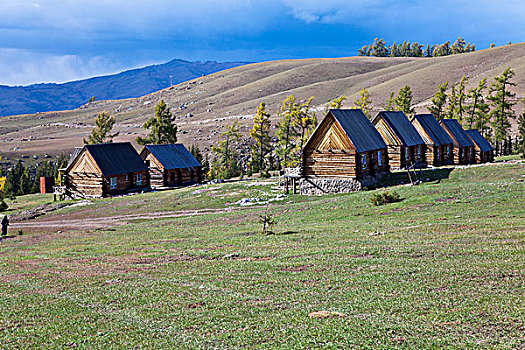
[(131, 83), (210, 102)]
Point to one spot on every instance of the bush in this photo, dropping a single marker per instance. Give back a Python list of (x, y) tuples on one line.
[(385, 198), (3, 205), (265, 174)]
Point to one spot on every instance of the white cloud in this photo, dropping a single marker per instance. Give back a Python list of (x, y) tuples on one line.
[(22, 67)]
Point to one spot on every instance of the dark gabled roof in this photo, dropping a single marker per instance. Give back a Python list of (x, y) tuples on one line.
[(116, 158), (435, 131), (359, 129), (459, 136), (479, 140), (402, 127), (173, 156)]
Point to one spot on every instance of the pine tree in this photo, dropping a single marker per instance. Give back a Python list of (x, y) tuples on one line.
[(287, 133), (428, 51), (442, 50), (404, 49), (378, 48), (394, 52), (101, 133), (460, 99), (478, 109), (306, 122), (458, 46), (416, 50), (364, 102), (336, 103), (228, 165), (452, 103), (521, 131), (500, 96), (162, 125), (261, 134), (438, 101), (389, 103), (403, 101)]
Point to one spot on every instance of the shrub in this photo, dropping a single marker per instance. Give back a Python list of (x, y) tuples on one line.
[(385, 198), (267, 220), (3, 205)]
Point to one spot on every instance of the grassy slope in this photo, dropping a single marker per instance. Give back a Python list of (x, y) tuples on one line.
[(234, 94), (443, 268)]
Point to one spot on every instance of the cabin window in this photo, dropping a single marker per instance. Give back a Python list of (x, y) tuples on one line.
[(139, 180), (407, 154), (418, 152), (448, 151), (127, 177), (379, 158), (112, 183), (438, 153), (363, 160)]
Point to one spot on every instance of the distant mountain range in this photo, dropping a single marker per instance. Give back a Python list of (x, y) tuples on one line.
[(132, 83)]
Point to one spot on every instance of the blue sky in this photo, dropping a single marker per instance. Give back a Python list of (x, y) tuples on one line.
[(63, 40)]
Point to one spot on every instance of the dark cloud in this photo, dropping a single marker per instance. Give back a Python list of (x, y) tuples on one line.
[(59, 40)]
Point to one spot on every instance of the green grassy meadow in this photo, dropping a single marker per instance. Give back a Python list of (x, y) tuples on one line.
[(443, 268)]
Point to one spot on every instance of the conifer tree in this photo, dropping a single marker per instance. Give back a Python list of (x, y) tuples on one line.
[(101, 133), (227, 161), (521, 132), (478, 109), (336, 103), (461, 96), (364, 102), (403, 101), (452, 103), (438, 101), (428, 51), (162, 127), (261, 134), (394, 52), (306, 122), (378, 48), (389, 103), (500, 96), (287, 133)]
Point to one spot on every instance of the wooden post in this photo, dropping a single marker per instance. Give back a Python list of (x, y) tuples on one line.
[(294, 185), (286, 185)]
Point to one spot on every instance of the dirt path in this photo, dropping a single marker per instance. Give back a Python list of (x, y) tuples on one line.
[(109, 221)]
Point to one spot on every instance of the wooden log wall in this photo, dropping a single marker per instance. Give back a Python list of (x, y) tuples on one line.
[(330, 163), (395, 156), (157, 177), (431, 156), (85, 184)]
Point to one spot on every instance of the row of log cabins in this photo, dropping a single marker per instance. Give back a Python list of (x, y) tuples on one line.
[(348, 145), (113, 168)]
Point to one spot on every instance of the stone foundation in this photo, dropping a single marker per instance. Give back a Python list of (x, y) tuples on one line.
[(317, 186)]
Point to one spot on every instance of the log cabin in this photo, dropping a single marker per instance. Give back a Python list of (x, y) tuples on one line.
[(439, 146), (483, 150), (104, 170), (405, 146), (345, 153), (171, 165), (463, 152)]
